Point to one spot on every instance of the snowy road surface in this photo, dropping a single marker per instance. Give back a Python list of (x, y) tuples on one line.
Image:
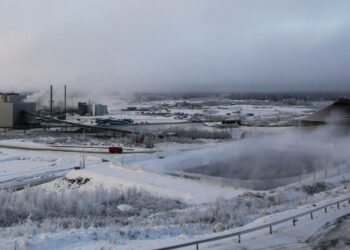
[(21, 166)]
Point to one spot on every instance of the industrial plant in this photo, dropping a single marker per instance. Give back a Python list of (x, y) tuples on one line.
[(17, 113)]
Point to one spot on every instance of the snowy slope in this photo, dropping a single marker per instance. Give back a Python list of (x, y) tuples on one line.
[(164, 185)]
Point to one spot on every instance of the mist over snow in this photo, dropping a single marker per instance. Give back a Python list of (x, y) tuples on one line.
[(290, 153)]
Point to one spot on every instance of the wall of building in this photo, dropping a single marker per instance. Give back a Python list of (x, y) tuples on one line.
[(19, 118), (12, 110), (14, 98), (6, 115), (101, 109), (97, 109)]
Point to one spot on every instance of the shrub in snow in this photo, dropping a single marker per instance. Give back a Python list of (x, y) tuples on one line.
[(144, 138), (316, 187), (149, 141), (200, 133), (252, 195), (126, 209), (78, 208), (239, 210), (219, 227), (76, 181), (47, 140), (138, 138), (37, 210), (280, 198), (275, 199), (218, 211)]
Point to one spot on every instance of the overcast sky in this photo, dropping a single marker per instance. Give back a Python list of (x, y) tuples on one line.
[(177, 45)]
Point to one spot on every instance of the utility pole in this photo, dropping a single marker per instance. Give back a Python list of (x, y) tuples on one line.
[(51, 101), (83, 148), (65, 107), (65, 99)]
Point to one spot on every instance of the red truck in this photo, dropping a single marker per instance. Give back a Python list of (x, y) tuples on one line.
[(115, 150)]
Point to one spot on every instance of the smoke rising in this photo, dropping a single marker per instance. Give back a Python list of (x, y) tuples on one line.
[(294, 152)]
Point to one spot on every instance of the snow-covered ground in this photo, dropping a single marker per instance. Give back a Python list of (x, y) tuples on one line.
[(165, 185), (183, 225), (130, 201), (307, 234), (207, 208), (169, 111), (18, 166)]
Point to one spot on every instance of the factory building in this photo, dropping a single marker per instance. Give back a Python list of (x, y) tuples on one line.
[(338, 113), (92, 109), (98, 109), (12, 110), (83, 108)]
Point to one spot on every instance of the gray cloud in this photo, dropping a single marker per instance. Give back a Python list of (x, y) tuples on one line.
[(175, 45)]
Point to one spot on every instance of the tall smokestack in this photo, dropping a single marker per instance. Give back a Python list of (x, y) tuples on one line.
[(65, 99), (51, 101)]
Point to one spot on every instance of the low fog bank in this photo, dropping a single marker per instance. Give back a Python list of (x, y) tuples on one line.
[(294, 152)]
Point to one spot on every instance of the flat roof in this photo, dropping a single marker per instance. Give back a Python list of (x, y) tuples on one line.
[(9, 93)]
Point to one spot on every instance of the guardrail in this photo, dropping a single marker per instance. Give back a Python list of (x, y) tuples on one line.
[(238, 234)]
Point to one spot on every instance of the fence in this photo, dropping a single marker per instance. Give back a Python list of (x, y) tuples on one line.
[(238, 234), (268, 183)]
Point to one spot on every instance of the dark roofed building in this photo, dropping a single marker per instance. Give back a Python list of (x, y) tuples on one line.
[(337, 113), (13, 110)]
